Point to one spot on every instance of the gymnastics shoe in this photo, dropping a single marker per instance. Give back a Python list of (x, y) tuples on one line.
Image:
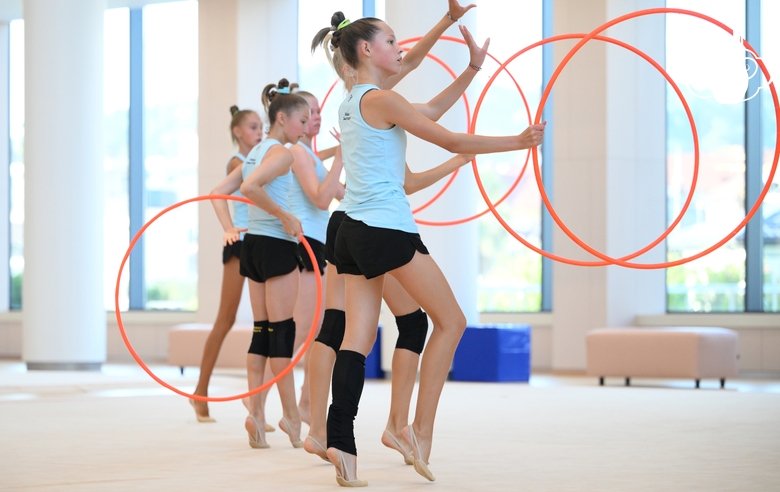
[(420, 466), (256, 438), (201, 418), (284, 424), (391, 441), (337, 456)]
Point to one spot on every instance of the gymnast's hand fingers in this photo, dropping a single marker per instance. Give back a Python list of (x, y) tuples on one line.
[(456, 11), (531, 136), (477, 54)]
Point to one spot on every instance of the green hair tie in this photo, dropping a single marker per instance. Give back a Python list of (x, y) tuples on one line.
[(343, 24)]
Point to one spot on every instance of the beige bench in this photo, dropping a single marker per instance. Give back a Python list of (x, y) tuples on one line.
[(186, 342), (674, 352)]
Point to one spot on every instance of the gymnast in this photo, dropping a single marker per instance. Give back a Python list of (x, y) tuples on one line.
[(412, 322), (269, 256), (378, 235)]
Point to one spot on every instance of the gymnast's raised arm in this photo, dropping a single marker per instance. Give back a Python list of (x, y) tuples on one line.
[(418, 52), (440, 104), (383, 109)]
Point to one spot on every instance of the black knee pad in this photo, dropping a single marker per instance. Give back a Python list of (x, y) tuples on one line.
[(259, 345), (412, 330), (349, 375), (332, 332), (282, 338)]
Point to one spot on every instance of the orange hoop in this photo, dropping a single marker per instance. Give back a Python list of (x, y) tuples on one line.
[(141, 363)]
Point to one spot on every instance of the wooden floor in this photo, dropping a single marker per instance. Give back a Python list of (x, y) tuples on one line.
[(117, 430)]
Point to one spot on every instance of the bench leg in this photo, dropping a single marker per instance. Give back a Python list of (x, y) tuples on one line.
[(722, 383), (697, 383), (601, 381), (181, 370), (628, 381)]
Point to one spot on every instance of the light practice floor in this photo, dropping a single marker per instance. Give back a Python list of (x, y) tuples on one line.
[(118, 430)]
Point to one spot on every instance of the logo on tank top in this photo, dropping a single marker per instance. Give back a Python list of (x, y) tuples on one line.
[(346, 117)]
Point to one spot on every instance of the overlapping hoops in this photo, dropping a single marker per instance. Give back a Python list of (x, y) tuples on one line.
[(607, 260), (264, 386)]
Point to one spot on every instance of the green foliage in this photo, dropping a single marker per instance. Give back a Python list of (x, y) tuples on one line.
[(172, 294), (16, 291), (697, 287)]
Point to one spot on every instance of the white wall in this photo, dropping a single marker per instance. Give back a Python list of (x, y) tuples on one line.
[(267, 47)]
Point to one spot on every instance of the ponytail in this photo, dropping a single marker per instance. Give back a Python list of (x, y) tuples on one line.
[(344, 37)]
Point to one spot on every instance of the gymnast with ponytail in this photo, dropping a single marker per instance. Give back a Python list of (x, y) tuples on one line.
[(269, 255), (411, 321), (246, 131), (378, 235)]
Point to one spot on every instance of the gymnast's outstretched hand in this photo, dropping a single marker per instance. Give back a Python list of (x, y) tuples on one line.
[(532, 136), (477, 54), (456, 11)]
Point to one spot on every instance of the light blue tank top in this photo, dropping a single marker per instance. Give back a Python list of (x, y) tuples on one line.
[(343, 203), (262, 223), (375, 163), (240, 209), (313, 220)]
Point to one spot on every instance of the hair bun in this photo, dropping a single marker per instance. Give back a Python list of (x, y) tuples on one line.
[(282, 84), (233, 110), (336, 19)]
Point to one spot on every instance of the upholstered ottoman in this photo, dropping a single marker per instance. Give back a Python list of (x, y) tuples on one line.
[(669, 352), (186, 342), (500, 352)]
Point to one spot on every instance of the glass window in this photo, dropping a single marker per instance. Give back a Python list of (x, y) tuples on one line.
[(16, 131), (703, 59), (510, 275), (170, 34), (770, 53), (116, 105)]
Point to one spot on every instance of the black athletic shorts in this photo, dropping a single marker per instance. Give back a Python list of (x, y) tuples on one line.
[(231, 250), (374, 251), (319, 253), (264, 257), (334, 223)]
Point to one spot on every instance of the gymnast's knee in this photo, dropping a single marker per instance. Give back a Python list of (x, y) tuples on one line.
[(281, 339), (412, 330), (260, 340), (332, 331)]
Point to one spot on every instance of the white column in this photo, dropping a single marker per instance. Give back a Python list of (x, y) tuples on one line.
[(217, 33), (64, 316), (267, 47), (609, 173)]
